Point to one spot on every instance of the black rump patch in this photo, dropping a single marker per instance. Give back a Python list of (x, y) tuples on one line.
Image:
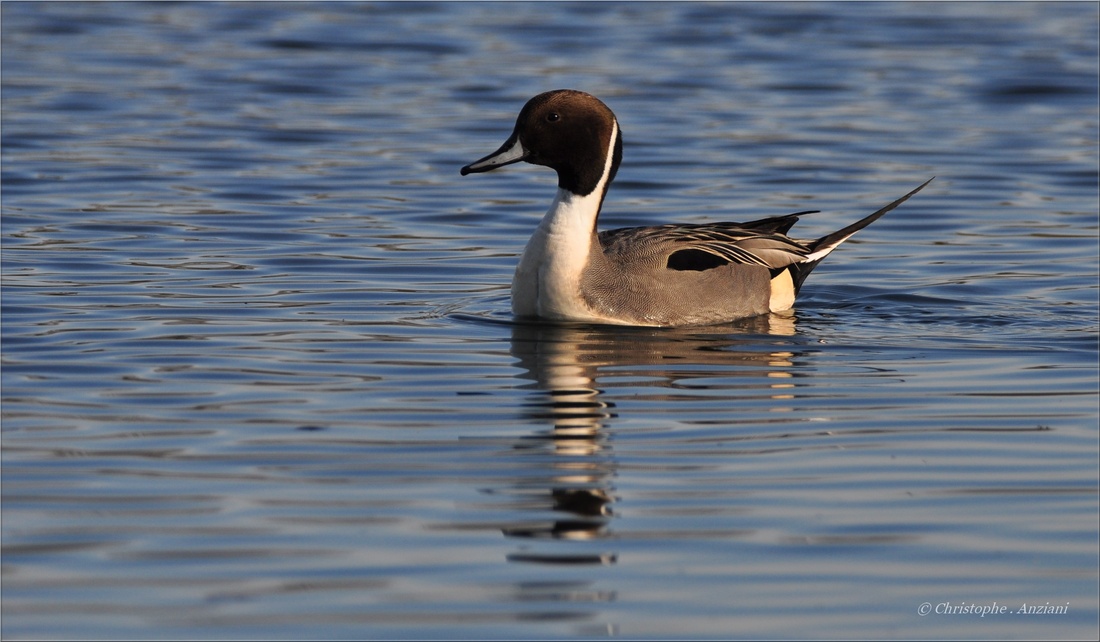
[(695, 260)]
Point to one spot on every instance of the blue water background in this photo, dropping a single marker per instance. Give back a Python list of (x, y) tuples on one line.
[(260, 380)]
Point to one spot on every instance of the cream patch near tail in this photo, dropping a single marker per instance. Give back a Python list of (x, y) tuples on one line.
[(782, 297)]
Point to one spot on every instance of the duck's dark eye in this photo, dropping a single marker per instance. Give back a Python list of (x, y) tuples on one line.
[(553, 117)]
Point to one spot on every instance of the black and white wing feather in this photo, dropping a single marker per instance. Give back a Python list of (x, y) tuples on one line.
[(763, 243), (707, 246)]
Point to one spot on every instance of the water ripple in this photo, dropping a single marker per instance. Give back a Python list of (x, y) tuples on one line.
[(260, 376)]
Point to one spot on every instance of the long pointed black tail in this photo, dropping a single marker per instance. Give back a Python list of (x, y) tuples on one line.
[(822, 246)]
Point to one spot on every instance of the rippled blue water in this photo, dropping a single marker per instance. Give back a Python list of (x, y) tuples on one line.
[(260, 379)]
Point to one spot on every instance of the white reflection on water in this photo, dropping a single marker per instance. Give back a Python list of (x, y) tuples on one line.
[(564, 362)]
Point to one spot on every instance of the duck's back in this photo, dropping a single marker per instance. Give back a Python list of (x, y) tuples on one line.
[(633, 280)]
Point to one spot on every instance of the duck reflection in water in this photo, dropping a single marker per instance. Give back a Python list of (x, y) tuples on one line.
[(565, 362)]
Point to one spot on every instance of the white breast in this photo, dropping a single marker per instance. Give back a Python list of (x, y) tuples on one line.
[(547, 279)]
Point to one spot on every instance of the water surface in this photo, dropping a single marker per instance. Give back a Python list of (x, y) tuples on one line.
[(260, 378)]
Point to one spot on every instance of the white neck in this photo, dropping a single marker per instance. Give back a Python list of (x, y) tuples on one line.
[(547, 280)]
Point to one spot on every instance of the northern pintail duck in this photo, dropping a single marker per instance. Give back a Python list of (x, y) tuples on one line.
[(667, 275)]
